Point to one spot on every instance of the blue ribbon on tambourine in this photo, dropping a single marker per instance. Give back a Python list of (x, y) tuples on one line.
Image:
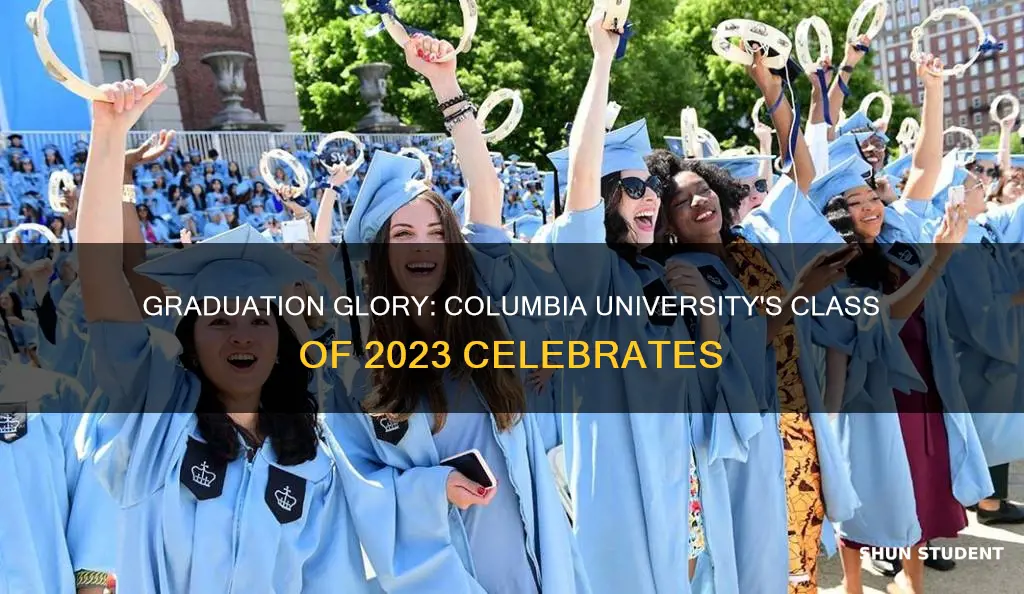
[(991, 45), (382, 7), (627, 33)]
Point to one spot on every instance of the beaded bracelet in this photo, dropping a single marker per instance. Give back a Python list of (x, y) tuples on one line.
[(453, 102), (458, 117)]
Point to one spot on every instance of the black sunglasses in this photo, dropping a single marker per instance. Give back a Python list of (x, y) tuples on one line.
[(991, 172), (635, 187), (760, 186)]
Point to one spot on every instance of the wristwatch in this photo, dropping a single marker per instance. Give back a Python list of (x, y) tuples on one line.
[(128, 193)]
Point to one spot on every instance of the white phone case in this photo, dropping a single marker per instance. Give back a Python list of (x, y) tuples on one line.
[(295, 231), (956, 195), (483, 463)]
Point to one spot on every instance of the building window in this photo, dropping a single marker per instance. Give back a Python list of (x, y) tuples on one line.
[(977, 118), (1018, 24), (891, 54), (903, 52), (116, 67), (990, 82), (906, 69), (901, 21), (915, 17), (920, 83), (972, 36), (961, 104), (975, 86), (1005, 79), (915, 3), (949, 122), (900, 5), (958, 57), (1002, 28), (892, 72), (960, 88), (920, 97), (942, 43), (963, 120), (888, 24), (894, 87), (1020, 60), (956, 40), (945, 91), (1004, 62), (976, 102), (989, 66)]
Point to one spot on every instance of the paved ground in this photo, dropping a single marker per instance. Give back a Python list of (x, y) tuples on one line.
[(969, 577)]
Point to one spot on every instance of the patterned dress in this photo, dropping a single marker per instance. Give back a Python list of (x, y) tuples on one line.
[(696, 513), (805, 506)]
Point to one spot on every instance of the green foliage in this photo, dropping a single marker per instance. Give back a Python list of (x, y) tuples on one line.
[(540, 47), (991, 141)]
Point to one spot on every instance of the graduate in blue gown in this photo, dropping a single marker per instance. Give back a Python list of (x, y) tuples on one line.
[(46, 528), (427, 527), (913, 472), (232, 485), (629, 471)]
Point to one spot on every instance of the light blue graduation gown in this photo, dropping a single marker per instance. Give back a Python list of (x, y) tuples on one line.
[(191, 524), (756, 482), (40, 545), (872, 437), (629, 470), (986, 328)]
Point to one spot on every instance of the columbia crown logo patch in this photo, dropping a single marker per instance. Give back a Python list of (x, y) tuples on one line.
[(904, 253), (388, 429), (713, 277), (285, 495), (13, 421), (201, 472)]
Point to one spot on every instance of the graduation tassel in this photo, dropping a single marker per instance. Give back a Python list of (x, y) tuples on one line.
[(350, 289), (558, 197)]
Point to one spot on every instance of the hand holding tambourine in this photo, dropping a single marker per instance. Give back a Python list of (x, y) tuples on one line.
[(604, 42)]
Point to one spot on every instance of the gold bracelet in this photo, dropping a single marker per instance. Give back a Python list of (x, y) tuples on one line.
[(87, 578)]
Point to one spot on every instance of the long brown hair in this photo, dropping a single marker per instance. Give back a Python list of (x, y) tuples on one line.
[(397, 392)]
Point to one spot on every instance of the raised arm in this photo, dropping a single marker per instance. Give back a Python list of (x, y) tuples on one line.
[(927, 158), (586, 142), (325, 213), (802, 171), (1005, 135), (836, 94), (134, 249), (484, 204), (106, 293), (906, 300)]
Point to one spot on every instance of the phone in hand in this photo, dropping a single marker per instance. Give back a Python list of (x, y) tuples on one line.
[(473, 466), (956, 196)]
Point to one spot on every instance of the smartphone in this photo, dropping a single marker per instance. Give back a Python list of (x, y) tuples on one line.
[(295, 232), (472, 465), (956, 195)]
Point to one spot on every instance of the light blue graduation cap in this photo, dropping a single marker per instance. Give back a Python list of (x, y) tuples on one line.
[(525, 225), (897, 169), (389, 185), (624, 149), (1017, 161), (860, 122), (50, 149), (985, 155), (243, 188), (846, 146), (460, 209), (847, 175), (740, 167), (237, 263)]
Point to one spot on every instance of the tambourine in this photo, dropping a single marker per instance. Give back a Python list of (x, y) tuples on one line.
[(909, 131), (705, 137), (428, 169), (301, 175), (886, 104), (57, 70), (12, 237), (688, 127), (970, 136), (60, 178), (743, 151), (1014, 108), (470, 17), (611, 113), (501, 132), (881, 8), (917, 34), (616, 12), (750, 32), (803, 49), (336, 137), (755, 114)]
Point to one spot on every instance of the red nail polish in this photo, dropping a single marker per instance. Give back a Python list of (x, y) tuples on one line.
[(481, 491)]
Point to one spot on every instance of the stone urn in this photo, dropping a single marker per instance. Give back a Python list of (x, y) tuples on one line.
[(373, 87), (229, 70)]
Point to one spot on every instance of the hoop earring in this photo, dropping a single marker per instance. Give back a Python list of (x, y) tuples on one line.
[(671, 237)]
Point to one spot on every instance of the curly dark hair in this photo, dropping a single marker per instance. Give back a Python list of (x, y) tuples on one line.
[(288, 410), (868, 269), (667, 165), (616, 228)]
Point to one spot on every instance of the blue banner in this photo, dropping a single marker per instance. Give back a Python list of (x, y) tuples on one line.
[(32, 100)]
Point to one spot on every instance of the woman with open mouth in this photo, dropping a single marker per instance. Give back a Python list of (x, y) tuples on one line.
[(776, 497), (230, 483), (934, 461), (427, 526), (640, 465)]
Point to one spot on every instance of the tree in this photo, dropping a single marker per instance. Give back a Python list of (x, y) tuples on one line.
[(540, 47), (991, 141)]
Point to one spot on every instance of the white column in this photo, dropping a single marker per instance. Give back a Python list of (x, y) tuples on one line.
[(273, 63)]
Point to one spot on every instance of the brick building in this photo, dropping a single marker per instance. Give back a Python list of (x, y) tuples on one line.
[(118, 43), (969, 98)]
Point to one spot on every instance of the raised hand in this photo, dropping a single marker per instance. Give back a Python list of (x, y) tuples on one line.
[(151, 150), (464, 493), (953, 228), (824, 271), (126, 102), (686, 279), (421, 54), (604, 42), (763, 77), (853, 55), (929, 71)]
